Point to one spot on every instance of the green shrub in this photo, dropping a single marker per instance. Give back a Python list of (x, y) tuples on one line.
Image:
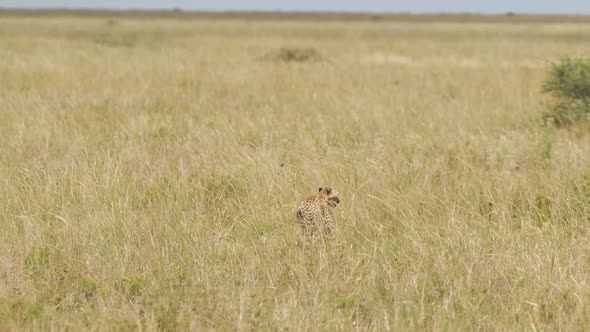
[(132, 286), (569, 83)]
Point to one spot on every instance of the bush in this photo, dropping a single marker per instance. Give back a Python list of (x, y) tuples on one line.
[(569, 83), (294, 54)]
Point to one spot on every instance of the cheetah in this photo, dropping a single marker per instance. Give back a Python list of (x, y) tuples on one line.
[(314, 213)]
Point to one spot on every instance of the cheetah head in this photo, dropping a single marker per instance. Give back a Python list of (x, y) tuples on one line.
[(330, 196)]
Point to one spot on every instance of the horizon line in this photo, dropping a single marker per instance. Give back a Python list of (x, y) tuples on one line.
[(283, 11)]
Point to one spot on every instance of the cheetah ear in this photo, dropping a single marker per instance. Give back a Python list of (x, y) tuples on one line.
[(320, 189)]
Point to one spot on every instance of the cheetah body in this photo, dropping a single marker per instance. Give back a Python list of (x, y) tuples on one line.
[(314, 213)]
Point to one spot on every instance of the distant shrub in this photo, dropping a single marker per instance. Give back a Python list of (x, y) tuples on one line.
[(294, 54), (569, 83)]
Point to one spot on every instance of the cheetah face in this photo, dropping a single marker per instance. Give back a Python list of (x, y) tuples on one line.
[(330, 195)]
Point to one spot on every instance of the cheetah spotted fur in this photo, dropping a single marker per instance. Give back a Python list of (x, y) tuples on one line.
[(314, 213)]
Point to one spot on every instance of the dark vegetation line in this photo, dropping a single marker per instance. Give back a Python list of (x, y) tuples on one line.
[(278, 15)]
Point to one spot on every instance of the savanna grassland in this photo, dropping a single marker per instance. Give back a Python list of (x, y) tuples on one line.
[(150, 167)]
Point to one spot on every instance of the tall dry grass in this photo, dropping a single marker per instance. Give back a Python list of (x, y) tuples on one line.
[(149, 171)]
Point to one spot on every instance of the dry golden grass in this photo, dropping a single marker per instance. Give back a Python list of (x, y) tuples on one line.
[(150, 169)]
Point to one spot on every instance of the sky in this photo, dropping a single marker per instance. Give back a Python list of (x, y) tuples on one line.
[(394, 6)]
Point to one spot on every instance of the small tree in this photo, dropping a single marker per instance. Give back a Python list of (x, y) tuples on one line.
[(569, 83)]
